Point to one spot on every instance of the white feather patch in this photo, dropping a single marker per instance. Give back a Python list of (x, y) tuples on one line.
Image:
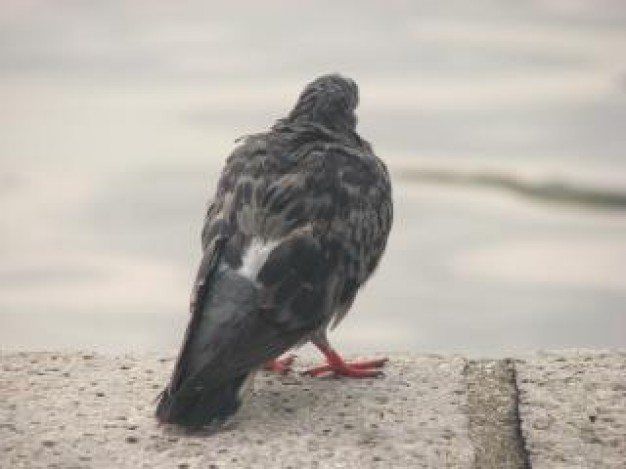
[(255, 256)]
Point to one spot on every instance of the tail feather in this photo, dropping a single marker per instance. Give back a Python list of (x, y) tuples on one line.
[(200, 406), (227, 340)]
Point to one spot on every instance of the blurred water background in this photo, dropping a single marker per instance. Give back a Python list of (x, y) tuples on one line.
[(503, 124)]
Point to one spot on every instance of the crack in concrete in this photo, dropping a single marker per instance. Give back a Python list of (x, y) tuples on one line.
[(494, 421), (523, 449)]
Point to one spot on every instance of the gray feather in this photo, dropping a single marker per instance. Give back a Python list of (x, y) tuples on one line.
[(315, 192)]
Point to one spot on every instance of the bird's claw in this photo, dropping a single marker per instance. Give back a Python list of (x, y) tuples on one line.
[(280, 365), (364, 369)]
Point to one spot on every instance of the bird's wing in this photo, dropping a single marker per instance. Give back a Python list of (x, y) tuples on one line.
[(216, 232), (362, 224)]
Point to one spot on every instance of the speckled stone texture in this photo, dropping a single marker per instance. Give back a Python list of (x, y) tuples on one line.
[(573, 409), (90, 411)]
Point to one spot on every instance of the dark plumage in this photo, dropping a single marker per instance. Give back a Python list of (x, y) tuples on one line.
[(299, 222)]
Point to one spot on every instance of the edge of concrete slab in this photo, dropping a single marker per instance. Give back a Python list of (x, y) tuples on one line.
[(89, 410)]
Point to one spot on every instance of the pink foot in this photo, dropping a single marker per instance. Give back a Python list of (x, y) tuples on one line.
[(337, 366), (280, 365)]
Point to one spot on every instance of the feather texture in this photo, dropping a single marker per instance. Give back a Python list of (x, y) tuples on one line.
[(297, 225)]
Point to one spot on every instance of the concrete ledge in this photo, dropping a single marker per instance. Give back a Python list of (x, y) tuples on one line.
[(573, 408), (550, 410)]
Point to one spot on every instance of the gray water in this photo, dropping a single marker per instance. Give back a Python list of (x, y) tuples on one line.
[(116, 118)]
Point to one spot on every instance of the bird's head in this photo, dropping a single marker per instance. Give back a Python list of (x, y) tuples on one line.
[(329, 100)]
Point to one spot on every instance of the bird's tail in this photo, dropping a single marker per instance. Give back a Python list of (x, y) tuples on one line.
[(226, 341), (202, 405)]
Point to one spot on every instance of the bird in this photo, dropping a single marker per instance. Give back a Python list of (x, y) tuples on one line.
[(298, 223)]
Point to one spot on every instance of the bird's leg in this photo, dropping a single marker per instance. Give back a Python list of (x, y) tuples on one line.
[(281, 365), (336, 365)]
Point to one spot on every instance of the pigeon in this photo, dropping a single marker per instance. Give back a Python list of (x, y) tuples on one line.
[(299, 222)]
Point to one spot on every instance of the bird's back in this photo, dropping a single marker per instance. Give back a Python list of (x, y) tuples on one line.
[(299, 221)]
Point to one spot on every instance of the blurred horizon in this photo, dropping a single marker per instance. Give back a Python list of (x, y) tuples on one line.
[(502, 124)]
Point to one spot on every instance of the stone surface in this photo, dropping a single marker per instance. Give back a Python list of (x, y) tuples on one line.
[(573, 409), (554, 410), (84, 410)]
